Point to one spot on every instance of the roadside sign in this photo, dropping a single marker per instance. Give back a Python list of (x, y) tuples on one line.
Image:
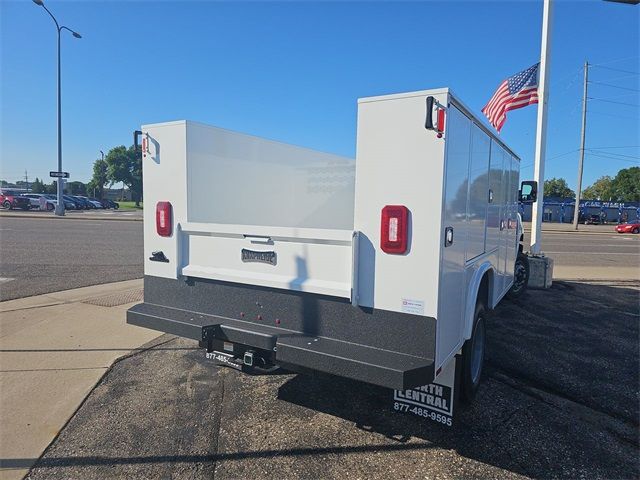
[(59, 174)]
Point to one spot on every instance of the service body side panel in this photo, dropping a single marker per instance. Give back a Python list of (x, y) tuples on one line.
[(453, 288), (399, 162), (163, 172), (478, 192)]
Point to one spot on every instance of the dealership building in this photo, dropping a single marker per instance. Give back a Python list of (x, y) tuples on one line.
[(560, 210)]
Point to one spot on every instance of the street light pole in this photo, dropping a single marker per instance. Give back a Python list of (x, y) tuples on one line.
[(60, 206)]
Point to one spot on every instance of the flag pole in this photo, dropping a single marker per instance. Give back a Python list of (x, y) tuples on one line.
[(541, 129)]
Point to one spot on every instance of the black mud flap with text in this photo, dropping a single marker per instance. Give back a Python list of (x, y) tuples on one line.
[(435, 401)]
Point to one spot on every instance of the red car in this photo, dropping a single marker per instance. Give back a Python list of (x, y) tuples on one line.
[(629, 227), (11, 199)]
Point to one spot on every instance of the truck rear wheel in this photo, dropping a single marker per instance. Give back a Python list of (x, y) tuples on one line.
[(473, 355)]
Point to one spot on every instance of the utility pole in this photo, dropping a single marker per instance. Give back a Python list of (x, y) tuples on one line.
[(541, 128), (26, 179), (576, 210)]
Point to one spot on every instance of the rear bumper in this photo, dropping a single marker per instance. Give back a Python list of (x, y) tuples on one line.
[(383, 348)]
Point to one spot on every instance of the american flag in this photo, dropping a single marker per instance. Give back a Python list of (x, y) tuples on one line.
[(515, 92)]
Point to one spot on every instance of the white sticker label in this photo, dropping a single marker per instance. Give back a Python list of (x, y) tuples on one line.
[(415, 307)]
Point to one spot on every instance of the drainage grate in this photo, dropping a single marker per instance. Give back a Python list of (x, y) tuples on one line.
[(116, 299)]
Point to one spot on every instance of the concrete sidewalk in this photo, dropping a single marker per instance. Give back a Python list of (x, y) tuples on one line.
[(54, 348)]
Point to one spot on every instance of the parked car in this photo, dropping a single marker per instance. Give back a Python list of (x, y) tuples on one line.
[(51, 201), (629, 227), (106, 203), (96, 202), (77, 204), (11, 199), (34, 199), (592, 220), (92, 204), (86, 205)]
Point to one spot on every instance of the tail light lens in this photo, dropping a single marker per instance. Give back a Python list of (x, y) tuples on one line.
[(164, 219), (394, 232), (440, 124)]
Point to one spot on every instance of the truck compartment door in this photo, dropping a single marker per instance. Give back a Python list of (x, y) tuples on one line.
[(306, 260)]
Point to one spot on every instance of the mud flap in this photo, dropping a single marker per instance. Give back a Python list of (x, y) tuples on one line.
[(435, 401)]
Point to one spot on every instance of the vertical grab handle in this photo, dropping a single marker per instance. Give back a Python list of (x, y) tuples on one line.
[(428, 124)]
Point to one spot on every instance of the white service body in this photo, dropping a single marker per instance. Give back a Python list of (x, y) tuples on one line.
[(321, 213)]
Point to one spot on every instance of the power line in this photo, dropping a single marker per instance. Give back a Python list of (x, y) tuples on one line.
[(614, 158), (622, 95), (616, 69), (617, 146), (614, 115), (618, 154), (615, 86), (611, 101), (614, 61), (563, 154), (620, 78)]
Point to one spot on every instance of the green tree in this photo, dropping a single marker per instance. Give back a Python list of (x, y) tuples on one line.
[(100, 178), (76, 188), (626, 185), (38, 186), (125, 165), (602, 189), (557, 187)]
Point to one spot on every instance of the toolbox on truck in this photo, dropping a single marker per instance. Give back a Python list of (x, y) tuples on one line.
[(371, 270)]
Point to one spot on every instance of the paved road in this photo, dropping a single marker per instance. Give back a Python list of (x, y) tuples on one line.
[(560, 400), (42, 255), (587, 255)]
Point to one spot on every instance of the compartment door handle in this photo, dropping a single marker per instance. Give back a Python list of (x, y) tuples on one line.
[(448, 236)]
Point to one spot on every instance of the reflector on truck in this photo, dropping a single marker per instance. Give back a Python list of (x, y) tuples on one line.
[(394, 229), (163, 219)]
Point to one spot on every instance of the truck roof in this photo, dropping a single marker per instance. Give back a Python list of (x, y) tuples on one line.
[(456, 101)]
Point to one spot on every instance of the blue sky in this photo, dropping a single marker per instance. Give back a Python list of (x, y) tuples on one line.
[(293, 71)]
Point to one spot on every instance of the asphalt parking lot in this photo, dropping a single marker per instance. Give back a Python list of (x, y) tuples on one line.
[(560, 400), (41, 254)]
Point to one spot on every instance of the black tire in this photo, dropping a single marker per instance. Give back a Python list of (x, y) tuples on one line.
[(635, 230), (50, 207), (520, 276), (7, 204), (473, 352)]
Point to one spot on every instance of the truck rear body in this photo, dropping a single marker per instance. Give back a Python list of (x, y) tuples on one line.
[(364, 269)]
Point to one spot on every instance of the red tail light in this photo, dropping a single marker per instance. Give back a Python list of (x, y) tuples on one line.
[(164, 219), (394, 231)]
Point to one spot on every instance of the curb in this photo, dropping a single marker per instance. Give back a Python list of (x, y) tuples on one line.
[(70, 217)]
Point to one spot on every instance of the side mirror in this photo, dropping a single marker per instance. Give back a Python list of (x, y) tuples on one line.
[(528, 191)]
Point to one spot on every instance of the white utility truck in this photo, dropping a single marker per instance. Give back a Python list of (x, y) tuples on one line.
[(379, 269)]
